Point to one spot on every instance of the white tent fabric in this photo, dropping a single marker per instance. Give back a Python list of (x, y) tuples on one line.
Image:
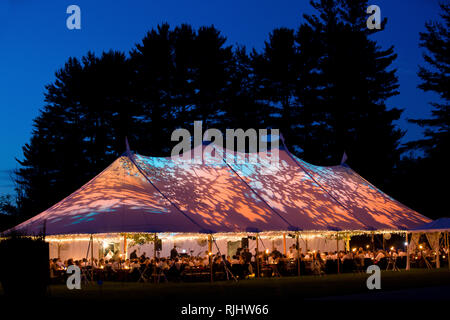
[(150, 194), (411, 247), (79, 249), (441, 225), (433, 240)]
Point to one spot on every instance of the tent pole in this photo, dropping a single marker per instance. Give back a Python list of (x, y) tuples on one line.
[(210, 257), (438, 258), (92, 258), (154, 245), (87, 258), (337, 251), (347, 243), (448, 251), (298, 255), (209, 244), (257, 256), (373, 243), (284, 243), (408, 258), (125, 246)]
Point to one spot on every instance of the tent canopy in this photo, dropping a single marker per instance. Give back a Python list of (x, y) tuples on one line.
[(442, 224), (156, 194)]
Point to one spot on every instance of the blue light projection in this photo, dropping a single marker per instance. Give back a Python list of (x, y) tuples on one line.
[(174, 195)]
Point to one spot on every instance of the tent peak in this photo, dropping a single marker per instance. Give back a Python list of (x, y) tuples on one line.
[(127, 147)]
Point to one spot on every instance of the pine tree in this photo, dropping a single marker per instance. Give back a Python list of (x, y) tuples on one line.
[(276, 73), (79, 132), (435, 78), (244, 107), (420, 178), (182, 75), (350, 80), (171, 79)]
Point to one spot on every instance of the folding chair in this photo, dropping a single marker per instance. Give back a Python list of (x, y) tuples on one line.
[(143, 276), (392, 262)]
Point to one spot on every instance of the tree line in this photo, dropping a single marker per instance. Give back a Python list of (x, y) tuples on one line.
[(324, 85)]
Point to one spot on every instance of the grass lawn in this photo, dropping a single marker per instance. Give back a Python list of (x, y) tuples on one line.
[(284, 296), (256, 289)]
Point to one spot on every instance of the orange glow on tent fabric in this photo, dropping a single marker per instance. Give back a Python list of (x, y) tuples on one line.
[(156, 195)]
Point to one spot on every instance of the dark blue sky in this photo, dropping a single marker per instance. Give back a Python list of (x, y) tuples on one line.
[(35, 43)]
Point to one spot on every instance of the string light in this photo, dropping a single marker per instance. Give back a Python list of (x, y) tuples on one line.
[(112, 237), (270, 235)]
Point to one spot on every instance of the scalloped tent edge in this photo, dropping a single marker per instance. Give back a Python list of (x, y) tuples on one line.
[(161, 194)]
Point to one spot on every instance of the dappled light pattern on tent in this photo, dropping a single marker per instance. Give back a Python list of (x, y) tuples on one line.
[(370, 205), (149, 194), (292, 192), (118, 200), (212, 194)]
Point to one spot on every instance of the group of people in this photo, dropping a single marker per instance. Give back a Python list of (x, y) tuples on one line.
[(243, 263)]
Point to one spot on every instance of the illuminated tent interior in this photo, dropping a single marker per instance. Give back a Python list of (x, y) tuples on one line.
[(437, 235), (182, 202)]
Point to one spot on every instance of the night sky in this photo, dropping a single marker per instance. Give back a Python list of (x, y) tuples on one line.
[(35, 43)]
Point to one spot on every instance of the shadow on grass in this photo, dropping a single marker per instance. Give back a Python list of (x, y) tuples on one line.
[(284, 296), (253, 290)]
